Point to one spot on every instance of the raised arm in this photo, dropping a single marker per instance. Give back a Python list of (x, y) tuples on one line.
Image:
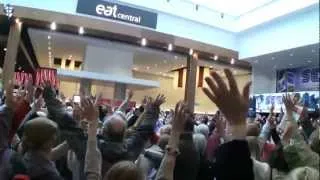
[(166, 170), (124, 104), (266, 128), (6, 117), (93, 159), (67, 125), (146, 126), (233, 156)]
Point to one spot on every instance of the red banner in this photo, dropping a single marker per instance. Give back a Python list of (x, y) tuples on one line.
[(46, 74), (22, 78)]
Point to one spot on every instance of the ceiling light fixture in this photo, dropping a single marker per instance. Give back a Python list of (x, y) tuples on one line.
[(272, 58), (81, 30), (170, 47), (4, 49), (190, 52), (232, 61), (18, 21), (8, 10), (195, 55), (53, 26), (49, 48), (49, 37), (143, 42), (216, 57), (210, 67), (291, 54)]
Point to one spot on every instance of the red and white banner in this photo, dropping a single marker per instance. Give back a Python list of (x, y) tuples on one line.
[(46, 74), (22, 78)]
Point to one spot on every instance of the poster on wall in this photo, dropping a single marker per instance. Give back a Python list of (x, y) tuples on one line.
[(298, 79), (310, 99)]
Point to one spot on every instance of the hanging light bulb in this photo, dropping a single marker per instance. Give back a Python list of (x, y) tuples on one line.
[(143, 42), (232, 61), (170, 47), (190, 52), (8, 10), (53, 26), (81, 30)]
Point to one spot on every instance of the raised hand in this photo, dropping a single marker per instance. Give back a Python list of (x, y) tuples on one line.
[(89, 110), (130, 95), (272, 109), (229, 100), (38, 103), (288, 102), (159, 100), (180, 117), (9, 95)]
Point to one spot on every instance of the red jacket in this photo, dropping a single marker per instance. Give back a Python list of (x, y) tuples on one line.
[(22, 109)]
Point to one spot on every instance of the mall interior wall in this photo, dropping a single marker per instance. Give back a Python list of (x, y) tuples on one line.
[(264, 80), (168, 87), (295, 30)]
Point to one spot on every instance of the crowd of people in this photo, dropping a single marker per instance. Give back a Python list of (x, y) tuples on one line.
[(43, 137)]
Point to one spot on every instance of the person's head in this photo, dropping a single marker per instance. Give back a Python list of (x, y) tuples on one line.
[(202, 129), (114, 127), (163, 141), (124, 170), (253, 129), (315, 141), (38, 92), (296, 98), (303, 173), (40, 134), (200, 142), (166, 129), (254, 147)]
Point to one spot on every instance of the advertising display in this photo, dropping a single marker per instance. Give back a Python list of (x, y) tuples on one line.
[(117, 12), (298, 79), (310, 99)]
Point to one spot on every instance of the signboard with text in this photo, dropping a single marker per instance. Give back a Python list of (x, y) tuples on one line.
[(298, 79), (117, 12), (310, 99)]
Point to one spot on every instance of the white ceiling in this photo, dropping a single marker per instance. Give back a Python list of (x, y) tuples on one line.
[(145, 60), (297, 57), (232, 7)]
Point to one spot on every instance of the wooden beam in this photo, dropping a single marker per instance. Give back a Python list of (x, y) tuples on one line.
[(190, 88), (12, 52)]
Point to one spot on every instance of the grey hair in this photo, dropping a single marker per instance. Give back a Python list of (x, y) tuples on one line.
[(109, 129), (303, 173), (200, 142), (202, 129)]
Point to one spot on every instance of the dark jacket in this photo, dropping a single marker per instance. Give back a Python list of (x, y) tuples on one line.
[(112, 152), (233, 161), (6, 115), (188, 161), (40, 168)]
